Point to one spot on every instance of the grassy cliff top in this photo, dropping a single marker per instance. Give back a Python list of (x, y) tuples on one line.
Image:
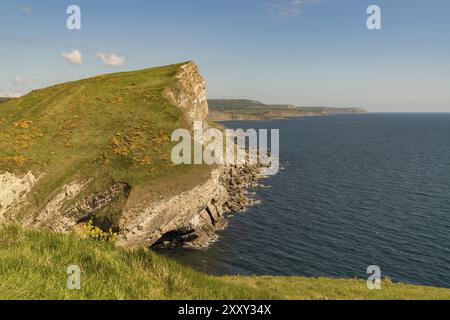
[(33, 265), (120, 121)]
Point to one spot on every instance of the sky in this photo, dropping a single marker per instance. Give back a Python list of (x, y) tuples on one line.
[(302, 52)]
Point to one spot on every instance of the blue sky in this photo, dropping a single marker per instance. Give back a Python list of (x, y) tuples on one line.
[(304, 52)]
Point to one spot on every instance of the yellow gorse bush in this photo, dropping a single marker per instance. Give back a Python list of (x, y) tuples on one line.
[(93, 232)]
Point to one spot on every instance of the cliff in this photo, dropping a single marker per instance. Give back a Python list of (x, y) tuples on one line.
[(99, 149)]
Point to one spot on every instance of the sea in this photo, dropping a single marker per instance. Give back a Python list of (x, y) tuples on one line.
[(354, 191)]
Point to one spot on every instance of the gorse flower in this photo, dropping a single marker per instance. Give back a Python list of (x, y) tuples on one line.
[(93, 232)]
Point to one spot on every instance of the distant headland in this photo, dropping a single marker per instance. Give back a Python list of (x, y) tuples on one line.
[(242, 109)]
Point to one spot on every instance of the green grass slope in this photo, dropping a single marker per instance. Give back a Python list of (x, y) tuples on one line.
[(33, 265), (120, 121)]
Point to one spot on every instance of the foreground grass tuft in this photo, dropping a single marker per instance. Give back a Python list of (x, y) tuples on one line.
[(33, 265)]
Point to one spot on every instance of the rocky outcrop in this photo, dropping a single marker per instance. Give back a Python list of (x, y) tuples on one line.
[(172, 214), (60, 215), (192, 218), (201, 230), (52, 215)]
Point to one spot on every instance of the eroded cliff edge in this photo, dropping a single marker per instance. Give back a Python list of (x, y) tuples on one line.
[(35, 194)]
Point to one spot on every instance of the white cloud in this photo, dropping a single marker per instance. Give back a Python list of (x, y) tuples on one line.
[(26, 9), (111, 59), (73, 57), (291, 8)]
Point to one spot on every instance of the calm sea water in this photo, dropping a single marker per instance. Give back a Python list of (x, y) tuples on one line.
[(356, 190)]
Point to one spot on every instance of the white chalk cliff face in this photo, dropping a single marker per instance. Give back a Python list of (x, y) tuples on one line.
[(13, 193), (189, 94), (190, 217)]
